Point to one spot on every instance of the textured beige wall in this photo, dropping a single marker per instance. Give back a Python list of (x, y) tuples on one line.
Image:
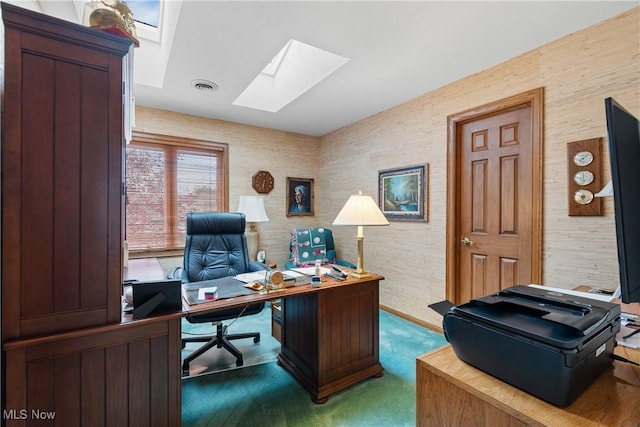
[(250, 149), (576, 72)]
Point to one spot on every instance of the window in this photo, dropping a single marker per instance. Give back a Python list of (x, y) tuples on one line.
[(166, 178)]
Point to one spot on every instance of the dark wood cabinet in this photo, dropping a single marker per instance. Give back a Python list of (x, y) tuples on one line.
[(62, 175), (67, 357), (116, 375)]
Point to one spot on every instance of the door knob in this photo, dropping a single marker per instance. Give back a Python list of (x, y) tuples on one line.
[(466, 241)]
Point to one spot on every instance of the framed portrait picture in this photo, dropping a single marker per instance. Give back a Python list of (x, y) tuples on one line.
[(299, 196), (402, 193)]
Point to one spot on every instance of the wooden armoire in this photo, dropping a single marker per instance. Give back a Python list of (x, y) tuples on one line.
[(65, 350)]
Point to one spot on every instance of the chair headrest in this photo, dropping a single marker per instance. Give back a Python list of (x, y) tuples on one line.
[(215, 223)]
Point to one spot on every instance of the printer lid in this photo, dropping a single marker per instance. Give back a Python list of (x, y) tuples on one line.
[(559, 319)]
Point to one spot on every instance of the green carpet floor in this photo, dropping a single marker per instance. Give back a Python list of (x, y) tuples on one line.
[(262, 394)]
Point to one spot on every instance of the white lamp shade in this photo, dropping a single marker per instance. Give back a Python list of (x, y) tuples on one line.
[(253, 208), (360, 209)]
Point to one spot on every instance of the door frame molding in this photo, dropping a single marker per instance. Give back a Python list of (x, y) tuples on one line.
[(535, 99)]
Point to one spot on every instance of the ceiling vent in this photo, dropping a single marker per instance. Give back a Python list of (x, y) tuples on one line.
[(205, 85)]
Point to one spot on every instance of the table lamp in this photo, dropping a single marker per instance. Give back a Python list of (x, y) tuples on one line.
[(253, 209), (360, 210)]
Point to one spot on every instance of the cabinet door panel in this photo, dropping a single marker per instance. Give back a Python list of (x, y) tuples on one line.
[(62, 175), (126, 374)]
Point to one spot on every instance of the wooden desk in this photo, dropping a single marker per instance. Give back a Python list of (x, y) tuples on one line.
[(451, 392), (329, 338), (131, 370), (142, 269)]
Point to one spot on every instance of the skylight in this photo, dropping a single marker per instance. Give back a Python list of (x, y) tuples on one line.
[(145, 11), (293, 71)]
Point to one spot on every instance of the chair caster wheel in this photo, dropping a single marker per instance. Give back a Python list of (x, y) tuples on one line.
[(239, 362), (256, 340)]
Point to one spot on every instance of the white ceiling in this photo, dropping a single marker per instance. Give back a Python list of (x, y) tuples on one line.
[(397, 51)]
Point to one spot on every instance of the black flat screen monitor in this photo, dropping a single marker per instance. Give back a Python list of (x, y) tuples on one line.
[(156, 297), (624, 152)]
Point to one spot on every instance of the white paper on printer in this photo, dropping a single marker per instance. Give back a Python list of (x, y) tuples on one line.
[(633, 342), (599, 297)]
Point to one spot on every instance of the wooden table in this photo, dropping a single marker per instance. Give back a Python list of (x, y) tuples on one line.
[(143, 269), (453, 393), (329, 336)]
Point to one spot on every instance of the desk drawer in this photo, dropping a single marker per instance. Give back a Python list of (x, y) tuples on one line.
[(276, 320)]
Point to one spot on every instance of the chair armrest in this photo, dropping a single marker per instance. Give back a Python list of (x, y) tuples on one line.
[(257, 266), (178, 273), (346, 263)]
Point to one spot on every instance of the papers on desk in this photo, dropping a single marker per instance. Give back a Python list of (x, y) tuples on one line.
[(254, 276), (296, 277), (311, 271), (227, 287)]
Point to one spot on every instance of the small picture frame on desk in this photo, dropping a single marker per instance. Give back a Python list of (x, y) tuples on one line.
[(261, 256), (156, 296)]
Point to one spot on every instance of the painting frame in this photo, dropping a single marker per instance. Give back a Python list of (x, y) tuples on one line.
[(408, 205), (305, 208)]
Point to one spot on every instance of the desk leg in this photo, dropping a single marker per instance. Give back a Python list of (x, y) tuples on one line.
[(330, 338)]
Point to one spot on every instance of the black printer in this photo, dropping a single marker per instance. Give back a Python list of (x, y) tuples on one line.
[(549, 344)]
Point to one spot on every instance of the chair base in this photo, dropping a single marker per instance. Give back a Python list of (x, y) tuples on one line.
[(220, 340)]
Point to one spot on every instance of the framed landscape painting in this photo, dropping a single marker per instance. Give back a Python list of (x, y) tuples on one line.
[(402, 193)]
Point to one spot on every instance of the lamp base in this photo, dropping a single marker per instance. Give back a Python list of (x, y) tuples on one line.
[(359, 275), (253, 240)]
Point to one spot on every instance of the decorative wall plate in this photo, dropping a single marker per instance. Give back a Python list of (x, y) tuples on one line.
[(583, 177), (583, 158), (583, 197)]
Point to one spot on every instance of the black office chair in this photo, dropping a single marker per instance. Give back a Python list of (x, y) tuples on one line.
[(216, 247)]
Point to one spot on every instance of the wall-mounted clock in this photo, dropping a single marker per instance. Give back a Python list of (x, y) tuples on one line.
[(262, 182)]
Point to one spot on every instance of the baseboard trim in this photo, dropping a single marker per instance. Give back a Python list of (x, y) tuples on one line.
[(411, 319)]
